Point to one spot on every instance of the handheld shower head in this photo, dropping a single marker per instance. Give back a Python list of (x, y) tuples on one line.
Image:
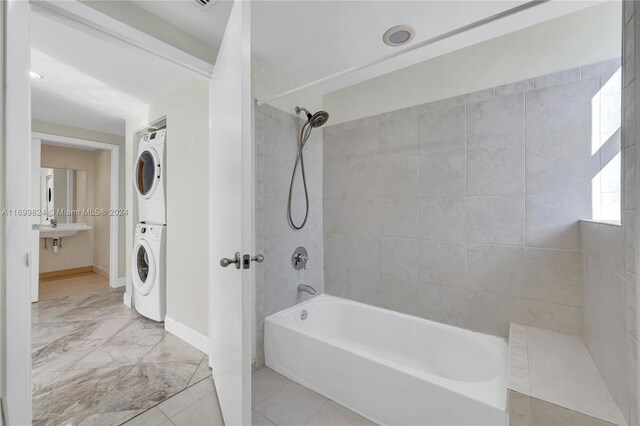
[(317, 119)]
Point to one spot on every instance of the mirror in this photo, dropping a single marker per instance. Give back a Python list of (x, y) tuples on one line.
[(64, 195)]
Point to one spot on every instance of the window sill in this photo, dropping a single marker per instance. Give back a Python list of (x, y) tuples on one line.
[(603, 222)]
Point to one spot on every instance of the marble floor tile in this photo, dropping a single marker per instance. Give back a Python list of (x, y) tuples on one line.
[(182, 400), (119, 350), (109, 419), (88, 368), (143, 327), (76, 393), (47, 332), (63, 353), (202, 372), (147, 385), (173, 349)]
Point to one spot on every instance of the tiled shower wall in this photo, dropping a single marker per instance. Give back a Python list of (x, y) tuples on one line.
[(610, 256), (276, 136), (466, 210)]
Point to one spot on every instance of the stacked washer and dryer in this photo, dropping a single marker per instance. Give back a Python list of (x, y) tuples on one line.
[(149, 250)]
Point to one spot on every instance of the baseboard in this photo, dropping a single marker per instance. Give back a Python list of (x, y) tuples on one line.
[(122, 281), (126, 299), (188, 334), (100, 271), (54, 275)]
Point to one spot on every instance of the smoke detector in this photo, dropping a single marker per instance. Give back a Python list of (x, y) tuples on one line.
[(398, 35), (206, 4)]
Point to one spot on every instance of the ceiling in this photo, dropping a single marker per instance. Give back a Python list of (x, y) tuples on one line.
[(90, 81), (206, 24), (312, 39)]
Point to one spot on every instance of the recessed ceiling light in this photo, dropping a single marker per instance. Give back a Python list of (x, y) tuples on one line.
[(399, 35), (36, 75)]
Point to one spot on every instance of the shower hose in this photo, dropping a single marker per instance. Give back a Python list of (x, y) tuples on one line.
[(304, 136)]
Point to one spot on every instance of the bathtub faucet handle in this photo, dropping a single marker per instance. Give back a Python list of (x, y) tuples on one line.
[(299, 258)]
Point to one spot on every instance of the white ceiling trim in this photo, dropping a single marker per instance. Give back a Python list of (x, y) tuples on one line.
[(79, 13), (509, 12)]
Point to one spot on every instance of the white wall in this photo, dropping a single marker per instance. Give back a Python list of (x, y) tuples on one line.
[(75, 132), (584, 37), (144, 21), (187, 114), (268, 81)]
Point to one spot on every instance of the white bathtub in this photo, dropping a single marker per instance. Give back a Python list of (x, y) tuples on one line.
[(392, 368)]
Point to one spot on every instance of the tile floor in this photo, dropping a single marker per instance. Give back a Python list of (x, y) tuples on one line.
[(97, 362), (278, 401), (75, 284)]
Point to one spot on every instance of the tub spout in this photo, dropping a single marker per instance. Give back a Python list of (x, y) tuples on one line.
[(306, 288)]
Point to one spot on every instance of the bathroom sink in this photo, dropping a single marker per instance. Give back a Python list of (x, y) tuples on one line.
[(62, 230)]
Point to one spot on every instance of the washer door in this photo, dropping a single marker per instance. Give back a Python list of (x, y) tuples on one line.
[(147, 172), (144, 268)]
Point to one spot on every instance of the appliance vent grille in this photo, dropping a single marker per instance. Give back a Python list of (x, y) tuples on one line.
[(205, 4)]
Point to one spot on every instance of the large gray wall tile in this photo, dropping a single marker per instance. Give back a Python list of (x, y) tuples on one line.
[(443, 263), (399, 257), (364, 253), (496, 171), (442, 131), (335, 216), (399, 177), (552, 220), (554, 276), (399, 137), (497, 269), (443, 304), (399, 217), (495, 220), (363, 143), (442, 174), (363, 179), (557, 134), (496, 122), (443, 218), (363, 216)]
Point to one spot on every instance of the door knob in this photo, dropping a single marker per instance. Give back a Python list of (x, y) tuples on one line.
[(258, 258), (224, 262)]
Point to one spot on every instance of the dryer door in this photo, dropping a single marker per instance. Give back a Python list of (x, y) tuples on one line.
[(147, 172), (144, 268)]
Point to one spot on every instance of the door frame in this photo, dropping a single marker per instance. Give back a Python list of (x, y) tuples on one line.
[(114, 192)]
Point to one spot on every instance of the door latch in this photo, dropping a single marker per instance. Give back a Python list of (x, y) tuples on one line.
[(247, 259)]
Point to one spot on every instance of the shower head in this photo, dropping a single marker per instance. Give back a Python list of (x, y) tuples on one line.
[(317, 119)]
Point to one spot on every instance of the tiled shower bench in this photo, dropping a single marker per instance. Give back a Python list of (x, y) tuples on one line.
[(554, 381)]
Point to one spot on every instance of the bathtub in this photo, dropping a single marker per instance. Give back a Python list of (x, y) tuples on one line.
[(391, 368)]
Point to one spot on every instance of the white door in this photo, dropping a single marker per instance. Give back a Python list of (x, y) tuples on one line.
[(230, 211), (35, 219)]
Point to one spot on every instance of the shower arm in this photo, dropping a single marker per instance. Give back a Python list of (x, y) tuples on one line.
[(443, 36)]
